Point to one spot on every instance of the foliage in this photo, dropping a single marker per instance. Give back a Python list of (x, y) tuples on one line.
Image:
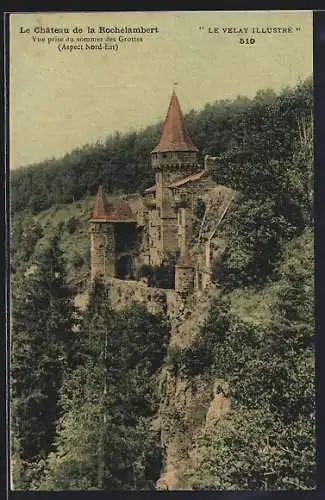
[(77, 260), (72, 224), (121, 162), (200, 355), (111, 399), (268, 441), (245, 128), (25, 233), (252, 450), (42, 339), (199, 208), (271, 166), (84, 400), (198, 216)]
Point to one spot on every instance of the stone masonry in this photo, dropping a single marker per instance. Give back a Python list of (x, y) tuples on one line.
[(102, 250), (166, 226)]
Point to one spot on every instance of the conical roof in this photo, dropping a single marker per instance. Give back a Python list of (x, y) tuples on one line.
[(110, 211), (100, 209), (174, 136)]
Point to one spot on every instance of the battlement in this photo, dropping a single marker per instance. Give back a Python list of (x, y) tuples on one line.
[(175, 159)]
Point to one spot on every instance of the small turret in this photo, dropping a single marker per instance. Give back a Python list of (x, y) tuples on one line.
[(102, 250), (113, 232)]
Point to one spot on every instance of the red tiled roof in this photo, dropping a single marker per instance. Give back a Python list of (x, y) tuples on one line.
[(110, 211), (174, 136), (188, 178), (100, 207), (180, 182), (185, 260)]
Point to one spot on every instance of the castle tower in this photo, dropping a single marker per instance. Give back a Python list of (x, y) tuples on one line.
[(173, 158), (184, 275), (103, 246)]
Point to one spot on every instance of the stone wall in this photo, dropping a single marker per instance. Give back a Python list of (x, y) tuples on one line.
[(154, 241), (191, 191), (124, 292), (103, 254), (169, 236), (185, 224), (164, 196), (184, 279)]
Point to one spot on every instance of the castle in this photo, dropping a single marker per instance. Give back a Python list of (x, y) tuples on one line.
[(175, 220)]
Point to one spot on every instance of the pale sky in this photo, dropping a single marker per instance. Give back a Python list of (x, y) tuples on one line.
[(60, 100)]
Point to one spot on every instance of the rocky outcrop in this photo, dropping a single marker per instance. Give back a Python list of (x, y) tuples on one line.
[(122, 293), (187, 410)]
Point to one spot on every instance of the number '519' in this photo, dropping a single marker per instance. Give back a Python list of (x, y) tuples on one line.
[(247, 41)]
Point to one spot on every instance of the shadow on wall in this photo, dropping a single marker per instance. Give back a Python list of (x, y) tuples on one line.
[(125, 267), (162, 276), (126, 236)]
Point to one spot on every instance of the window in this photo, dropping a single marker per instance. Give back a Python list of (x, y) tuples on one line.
[(199, 280)]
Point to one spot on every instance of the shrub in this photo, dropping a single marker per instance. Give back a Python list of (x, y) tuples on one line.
[(77, 260), (72, 224)]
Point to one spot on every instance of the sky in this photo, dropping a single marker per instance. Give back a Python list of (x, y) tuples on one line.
[(61, 99)]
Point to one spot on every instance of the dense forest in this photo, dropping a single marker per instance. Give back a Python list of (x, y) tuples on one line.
[(85, 386), (122, 163)]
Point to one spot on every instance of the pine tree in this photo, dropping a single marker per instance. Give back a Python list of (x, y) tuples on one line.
[(268, 440), (105, 440), (42, 337)]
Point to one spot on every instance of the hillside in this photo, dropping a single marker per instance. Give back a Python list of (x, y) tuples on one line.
[(186, 398), (71, 221), (219, 395), (192, 405), (122, 162)]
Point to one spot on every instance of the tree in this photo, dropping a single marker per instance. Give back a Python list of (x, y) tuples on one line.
[(252, 450), (105, 435), (268, 440), (42, 337), (248, 132)]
